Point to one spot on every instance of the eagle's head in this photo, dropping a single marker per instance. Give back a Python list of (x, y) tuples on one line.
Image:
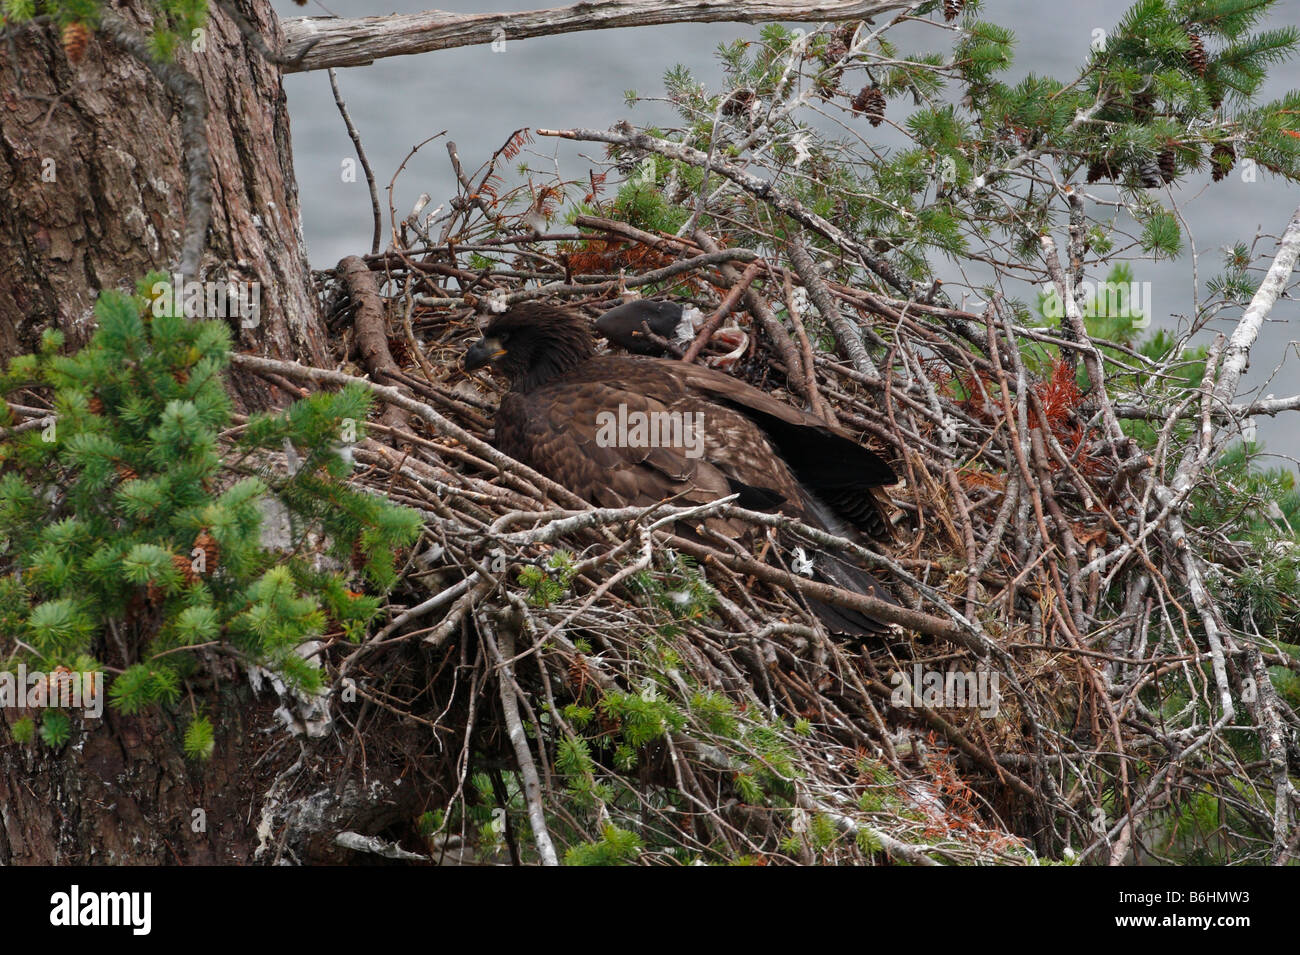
[(624, 325), (532, 344)]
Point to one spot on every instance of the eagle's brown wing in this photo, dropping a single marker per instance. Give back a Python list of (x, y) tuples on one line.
[(825, 461), (558, 430)]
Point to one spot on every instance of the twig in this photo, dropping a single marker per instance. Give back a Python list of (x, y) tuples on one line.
[(361, 156)]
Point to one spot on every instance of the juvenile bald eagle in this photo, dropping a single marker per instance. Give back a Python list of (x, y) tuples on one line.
[(626, 430), (625, 325)]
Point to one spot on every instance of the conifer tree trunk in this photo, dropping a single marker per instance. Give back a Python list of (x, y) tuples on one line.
[(92, 163), (94, 177)]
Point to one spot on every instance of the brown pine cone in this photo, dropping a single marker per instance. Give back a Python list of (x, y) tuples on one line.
[(579, 675), (737, 104), (1166, 162), (60, 683), (1149, 173), (95, 405), (828, 84), (211, 551), (1143, 104), (185, 567), (1196, 58), (1222, 158), (952, 9), (871, 103), (75, 38)]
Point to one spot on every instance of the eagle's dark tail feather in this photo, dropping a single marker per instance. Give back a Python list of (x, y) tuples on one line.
[(847, 620), (837, 571)]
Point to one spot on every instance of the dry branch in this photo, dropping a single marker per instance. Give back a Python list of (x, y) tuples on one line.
[(317, 43)]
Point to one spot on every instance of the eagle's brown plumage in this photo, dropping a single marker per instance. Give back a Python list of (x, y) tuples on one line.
[(565, 398)]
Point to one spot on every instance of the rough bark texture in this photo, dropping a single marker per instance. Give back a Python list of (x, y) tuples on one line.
[(89, 156), (127, 796), (91, 167), (372, 328), (123, 792)]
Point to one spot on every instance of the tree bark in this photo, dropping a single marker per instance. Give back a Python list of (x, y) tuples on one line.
[(95, 174), (91, 156)]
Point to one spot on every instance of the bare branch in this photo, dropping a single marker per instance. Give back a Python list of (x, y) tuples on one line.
[(334, 41)]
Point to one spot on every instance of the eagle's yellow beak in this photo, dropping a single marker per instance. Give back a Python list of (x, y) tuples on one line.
[(482, 352)]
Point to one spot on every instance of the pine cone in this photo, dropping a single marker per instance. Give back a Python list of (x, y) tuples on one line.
[(75, 38), (1099, 169), (358, 556), (1143, 104), (1167, 164), (1222, 158), (579, 675), (60, 683), (828, 84), (952, 9), (95, 405), (738, 103), (181, 376), (835, 49), (185, 568), (608, 724), (126, 472), (870, 102), (1196, 59), (211, 551), (1149, 173)]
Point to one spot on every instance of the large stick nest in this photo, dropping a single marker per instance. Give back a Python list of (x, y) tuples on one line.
[(570, 679)]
